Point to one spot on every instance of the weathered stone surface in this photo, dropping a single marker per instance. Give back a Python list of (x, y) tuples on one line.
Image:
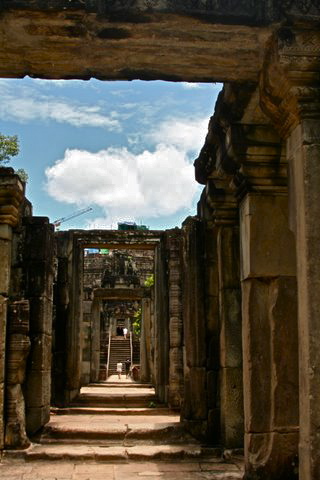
[(272, 455), (15, 435), (276, 253), (38, 389), (304, 153), (231, 404), (195, 402), (36, 417), (133, 47), (5, 258), (40, 353), (41, 314)]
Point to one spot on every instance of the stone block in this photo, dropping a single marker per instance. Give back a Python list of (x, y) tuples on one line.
[(18, 347), (40, 353), (213, 349), (272, 455), (285, 377), (5, 262), (40, 279), (3, 329), (212, 314), (175, 365), (256, 355), (175, 331), (230, 328), (41, 315), (195, 398), (231, 405), (264, 222), (212, 388), (15, 433), (39, 241), (213, 427), (38, 388), (1, 415), (229, 257), (86, 307), (36, 417)]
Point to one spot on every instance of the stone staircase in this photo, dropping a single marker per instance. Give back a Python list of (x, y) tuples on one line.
[(118, 432), (115, 422), (119, 350)]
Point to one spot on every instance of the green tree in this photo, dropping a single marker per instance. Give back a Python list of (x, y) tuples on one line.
[(9, 147), (22, 174)]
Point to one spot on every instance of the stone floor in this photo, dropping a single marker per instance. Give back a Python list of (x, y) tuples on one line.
[(112, 434), (62, 470)]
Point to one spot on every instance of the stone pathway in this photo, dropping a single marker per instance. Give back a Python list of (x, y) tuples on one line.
[(111, 433), (62, 470)]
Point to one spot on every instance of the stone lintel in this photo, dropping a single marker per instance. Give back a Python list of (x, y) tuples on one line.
[(289, 81), (121, 293)]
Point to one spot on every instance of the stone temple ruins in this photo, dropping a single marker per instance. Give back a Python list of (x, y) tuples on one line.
[(230, 332)]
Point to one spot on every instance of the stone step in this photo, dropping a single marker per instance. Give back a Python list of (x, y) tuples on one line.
[(119, 411), (97, 433), (104, 453), (128, 384), (115, 400)]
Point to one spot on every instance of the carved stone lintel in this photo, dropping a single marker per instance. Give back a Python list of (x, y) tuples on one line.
[(289, 82)]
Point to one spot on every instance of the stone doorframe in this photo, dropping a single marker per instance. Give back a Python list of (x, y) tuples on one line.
[(69, 296), (100, 294)]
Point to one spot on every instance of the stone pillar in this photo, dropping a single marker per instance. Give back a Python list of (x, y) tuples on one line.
[(11, 195), (145, 341), (224, 212), (17, 352), (175, 395), (95, 341), (86, 342), (161, 324), (269, 310), (39, 267), (290, 95), (194, 410), (68, 323)]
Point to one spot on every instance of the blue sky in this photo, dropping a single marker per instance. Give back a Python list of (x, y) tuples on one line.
[(125, 149)]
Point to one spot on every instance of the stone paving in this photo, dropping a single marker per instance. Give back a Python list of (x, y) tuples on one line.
[(16, 470)]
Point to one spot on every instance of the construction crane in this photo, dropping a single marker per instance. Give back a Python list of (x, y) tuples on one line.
[(58, 222)]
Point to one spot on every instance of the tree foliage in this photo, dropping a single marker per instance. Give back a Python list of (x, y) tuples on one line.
[(9, 147), (22, 174)]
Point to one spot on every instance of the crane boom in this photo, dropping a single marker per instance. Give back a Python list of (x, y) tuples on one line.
[(58, 222)]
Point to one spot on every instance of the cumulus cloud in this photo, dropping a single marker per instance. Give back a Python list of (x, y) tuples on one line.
[(124, 185), (26, 104)]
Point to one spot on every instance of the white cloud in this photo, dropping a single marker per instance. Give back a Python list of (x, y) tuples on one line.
[(27, 104), (129, 186), (190, 86), (185, 134), (124, 185)]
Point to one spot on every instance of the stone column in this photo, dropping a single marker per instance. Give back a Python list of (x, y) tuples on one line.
[(11, 195), (145, 341), (68, 298), (39, 267), (175, 396), (269, 311), (161, 324), (17, 352), (95, 341), (195, 406), (224, 211), (290, 94)]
